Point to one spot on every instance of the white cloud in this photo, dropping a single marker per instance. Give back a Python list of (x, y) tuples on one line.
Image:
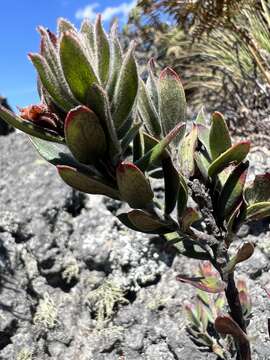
[(87, 12), (108, 13)]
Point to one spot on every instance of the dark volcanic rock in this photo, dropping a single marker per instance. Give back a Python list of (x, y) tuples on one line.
[(5, 129), (57, 246)]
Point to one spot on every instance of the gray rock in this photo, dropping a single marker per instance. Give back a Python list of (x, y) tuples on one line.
[(58, 245)]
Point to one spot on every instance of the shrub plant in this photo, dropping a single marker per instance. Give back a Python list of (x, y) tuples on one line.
[(108, 132)]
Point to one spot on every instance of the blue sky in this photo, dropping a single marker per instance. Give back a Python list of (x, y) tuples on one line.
[(18, 23)]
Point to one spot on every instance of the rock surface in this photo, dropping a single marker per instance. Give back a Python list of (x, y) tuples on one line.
[(57, 247)]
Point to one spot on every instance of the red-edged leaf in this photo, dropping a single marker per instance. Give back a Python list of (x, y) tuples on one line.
[(209, 284), (134, 188), (139, 220), (84, 135), (232, 191), (85, 183)]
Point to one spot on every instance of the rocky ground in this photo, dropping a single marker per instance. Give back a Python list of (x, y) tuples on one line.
[(60, 252)]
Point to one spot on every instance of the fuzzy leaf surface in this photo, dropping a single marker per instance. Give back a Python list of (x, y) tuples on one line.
[(147, 111), (134, 188), (186, 153), (172, 101), (219, 136), (77, 69), (85, 183), (84, 135), (158, 151), (102, 51), (125, 90)]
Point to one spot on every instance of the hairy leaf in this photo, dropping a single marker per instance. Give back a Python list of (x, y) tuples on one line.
[(158, 151), (77, 69), (102, 51), (186, 153), (219, 136), (84, 135), (85, 183), (147, 111), (133, 185), (125, 90), (172, 101)]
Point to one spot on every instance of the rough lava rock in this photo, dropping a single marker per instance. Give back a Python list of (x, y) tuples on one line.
[(57, 246), (5, 129)]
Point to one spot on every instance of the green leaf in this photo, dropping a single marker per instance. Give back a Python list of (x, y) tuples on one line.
[(134, 188), (189, 217), (85, 183), (57, 154), (151, 83), (182, 197), (99, 103), (259, 190), (232, 191), (102, 51), (158, 151), (257, 198), (139, 220), (129, 136), (64, 25), (171, 184), (202, 163), (28, 127), (116, 61), (192, 316), (258, 211), (233, 155), (50, 82), (125, 90), (49, 51), (77, 69), (210, 284), (172, 101), (186, 153), (138, 146), (84, 135), (201, 117), (203, 136), (219, 136), (87, 33), (147, 111), (234, 220)]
